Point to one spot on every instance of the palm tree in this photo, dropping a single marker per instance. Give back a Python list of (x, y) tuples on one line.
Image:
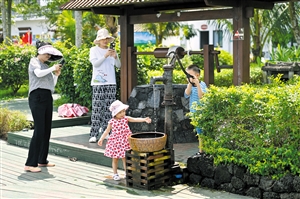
[(294, 15), (262, 25)]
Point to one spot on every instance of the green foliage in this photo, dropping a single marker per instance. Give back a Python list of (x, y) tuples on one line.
[(14, 60), (7, 94), (74, 83), (65, 84), (146, 63), (285, 54), (225, 58), (256, 76), (188, 31), (198, 60), (82, 77), (283, 32), (66, 26), (257, 127), (11, 121), (89, 32), (224, 78)]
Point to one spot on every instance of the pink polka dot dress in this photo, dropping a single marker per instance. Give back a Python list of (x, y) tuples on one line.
[(117, 143)]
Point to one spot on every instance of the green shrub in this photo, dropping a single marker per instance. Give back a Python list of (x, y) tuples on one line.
[(65, 84), (146, 63), (11, 121), (225, 58), (224, 78), (198, 60), (14, 60), (82, 77), (257, 127)]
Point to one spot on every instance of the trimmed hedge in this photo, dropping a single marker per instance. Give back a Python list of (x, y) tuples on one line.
[(256, 127)]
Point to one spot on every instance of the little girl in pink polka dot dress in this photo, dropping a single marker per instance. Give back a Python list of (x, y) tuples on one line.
[(117, 143)]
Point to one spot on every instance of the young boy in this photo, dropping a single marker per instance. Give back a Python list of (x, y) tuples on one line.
[(195, 91)]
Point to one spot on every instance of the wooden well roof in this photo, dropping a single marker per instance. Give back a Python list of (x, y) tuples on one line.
[(116, 7)]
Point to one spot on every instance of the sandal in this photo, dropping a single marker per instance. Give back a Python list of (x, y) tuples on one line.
[(32, 169)]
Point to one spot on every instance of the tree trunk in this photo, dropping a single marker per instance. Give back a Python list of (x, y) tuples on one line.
[(4, 21), (78, 36), (9, 2), (294, 22)]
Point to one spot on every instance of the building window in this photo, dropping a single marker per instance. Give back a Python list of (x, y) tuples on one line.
[(218, 38)]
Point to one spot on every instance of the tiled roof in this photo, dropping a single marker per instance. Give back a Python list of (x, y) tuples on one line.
[(86, 4)]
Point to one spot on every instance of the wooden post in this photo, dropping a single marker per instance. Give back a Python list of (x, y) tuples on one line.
[(127, 40), (241, 48), (208, 64)]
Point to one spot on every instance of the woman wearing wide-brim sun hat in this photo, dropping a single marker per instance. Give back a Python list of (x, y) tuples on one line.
[(104, 61), (42, 80)]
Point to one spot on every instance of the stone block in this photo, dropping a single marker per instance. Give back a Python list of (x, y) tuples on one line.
[(251, 180), (271, 195), (283, 185), (296, 184), (237, 183), (266, 183), (222, 175), (254, 192), (208, 182), (195, 179)]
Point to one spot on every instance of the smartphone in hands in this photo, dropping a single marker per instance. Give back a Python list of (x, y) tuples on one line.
[(62, 62), (112, 45)]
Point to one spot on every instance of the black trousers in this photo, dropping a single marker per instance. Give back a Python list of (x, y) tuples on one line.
[(41, 106)]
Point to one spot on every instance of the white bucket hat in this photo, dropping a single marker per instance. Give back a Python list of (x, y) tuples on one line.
[(49, 49), (116, 107), (103, 34)]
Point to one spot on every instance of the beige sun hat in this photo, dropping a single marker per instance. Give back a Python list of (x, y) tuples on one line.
[(104, 34), (116, 107)]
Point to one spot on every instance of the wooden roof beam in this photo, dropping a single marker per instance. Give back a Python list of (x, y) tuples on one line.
[(260, 5), (184, 16), (108, 10), (233, 3), (223, 3)]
